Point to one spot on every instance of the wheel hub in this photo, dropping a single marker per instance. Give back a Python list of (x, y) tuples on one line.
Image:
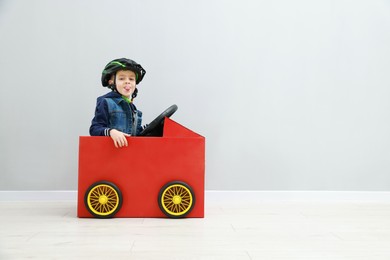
[(176, 199), (103, 199)]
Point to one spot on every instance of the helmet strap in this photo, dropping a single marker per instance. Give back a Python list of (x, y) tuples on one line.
[(113, 86)]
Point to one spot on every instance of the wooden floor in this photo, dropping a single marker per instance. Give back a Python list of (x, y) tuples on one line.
[(263, 230)]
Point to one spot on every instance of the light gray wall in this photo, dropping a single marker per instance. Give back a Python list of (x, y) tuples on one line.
[(291, 95)]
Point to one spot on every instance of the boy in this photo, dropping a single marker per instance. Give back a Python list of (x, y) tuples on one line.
[(116, 115)]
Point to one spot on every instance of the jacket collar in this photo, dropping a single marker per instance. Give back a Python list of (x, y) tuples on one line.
[(118, 98), (115, 96)]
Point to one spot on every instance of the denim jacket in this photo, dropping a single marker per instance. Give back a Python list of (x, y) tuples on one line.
[(113, 112)]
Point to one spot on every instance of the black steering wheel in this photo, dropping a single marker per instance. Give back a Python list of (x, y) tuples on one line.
[(155, 128)]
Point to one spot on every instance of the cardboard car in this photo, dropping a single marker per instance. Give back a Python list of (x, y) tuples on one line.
[(154, 176)]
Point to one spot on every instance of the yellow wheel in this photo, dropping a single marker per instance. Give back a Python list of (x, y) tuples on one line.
[(103, 199), (176, 199)]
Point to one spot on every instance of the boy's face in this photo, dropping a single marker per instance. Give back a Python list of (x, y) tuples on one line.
[(125, 82)]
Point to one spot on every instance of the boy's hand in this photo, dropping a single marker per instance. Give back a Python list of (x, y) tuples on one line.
[(119, 138)]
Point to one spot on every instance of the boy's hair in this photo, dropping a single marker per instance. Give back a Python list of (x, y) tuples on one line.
[(122, 64)]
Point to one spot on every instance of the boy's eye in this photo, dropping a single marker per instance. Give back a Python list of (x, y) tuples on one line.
[(124, 78)]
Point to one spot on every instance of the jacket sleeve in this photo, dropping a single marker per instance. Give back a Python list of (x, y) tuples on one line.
[(100, 122)]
